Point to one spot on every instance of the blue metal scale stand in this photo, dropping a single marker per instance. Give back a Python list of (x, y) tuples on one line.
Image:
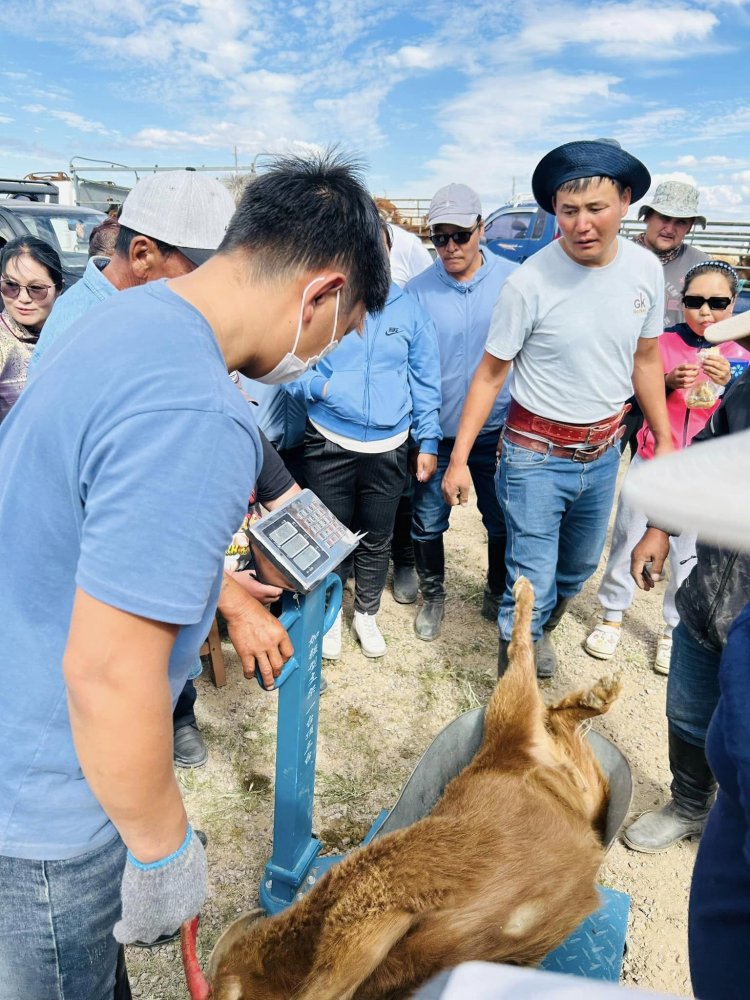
[(295, 865)]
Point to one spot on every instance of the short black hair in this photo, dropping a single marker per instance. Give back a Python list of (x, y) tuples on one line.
[(706, 267), (103, 238), (579, 184), (126, 236), (313, 213), (39, 251)]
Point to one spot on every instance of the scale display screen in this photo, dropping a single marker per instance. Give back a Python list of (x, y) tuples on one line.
[(304, 540)]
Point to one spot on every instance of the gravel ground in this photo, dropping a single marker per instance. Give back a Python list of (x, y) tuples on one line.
[(376, 719)]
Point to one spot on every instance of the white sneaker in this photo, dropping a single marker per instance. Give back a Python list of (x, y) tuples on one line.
[(332, 640), (663, 655), (603, 641), (365, 628)]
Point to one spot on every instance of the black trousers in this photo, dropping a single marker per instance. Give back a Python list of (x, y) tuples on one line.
[(402, 549), (362, 490), (183, 714)]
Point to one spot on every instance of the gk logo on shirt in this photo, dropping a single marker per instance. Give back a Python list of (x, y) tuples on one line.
[(639, 303)]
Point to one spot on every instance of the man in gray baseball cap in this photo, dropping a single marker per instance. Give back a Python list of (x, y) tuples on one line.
[(459, 292)]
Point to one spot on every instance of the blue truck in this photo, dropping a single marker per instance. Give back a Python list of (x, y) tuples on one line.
[(519, 229)]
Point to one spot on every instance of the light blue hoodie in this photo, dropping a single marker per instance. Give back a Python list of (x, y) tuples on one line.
[(382, 382), (461, 311)]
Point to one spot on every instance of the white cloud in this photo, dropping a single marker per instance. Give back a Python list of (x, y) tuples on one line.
[(500, 127), (425, 57), (6, 120), (651, 124), (632, 31), (725, 201), (73, 120)]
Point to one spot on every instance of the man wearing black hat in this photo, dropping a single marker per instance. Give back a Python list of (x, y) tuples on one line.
[(579, 322)]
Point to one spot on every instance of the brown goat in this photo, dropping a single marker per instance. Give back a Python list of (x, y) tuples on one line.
[(503, 869)]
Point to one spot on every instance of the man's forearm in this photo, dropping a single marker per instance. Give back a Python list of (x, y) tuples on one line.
[(487, 382), (120, 707), (648, 385)]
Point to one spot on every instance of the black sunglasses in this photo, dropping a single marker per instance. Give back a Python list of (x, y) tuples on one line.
[(10, 289), (461, 238), (716, 303)]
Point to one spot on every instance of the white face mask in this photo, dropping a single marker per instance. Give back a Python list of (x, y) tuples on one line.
[(291, 367)]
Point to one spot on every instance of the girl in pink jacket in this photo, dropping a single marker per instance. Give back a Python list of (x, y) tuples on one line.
[(696, 373)]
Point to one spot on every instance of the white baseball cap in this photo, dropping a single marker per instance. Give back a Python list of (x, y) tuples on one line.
[(456, 205), (183, 208)]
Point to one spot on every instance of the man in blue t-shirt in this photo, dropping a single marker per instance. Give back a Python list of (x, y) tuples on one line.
[(144, 253), (131, 430)]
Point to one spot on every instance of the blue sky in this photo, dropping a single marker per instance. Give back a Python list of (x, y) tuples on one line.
[(426, 92)]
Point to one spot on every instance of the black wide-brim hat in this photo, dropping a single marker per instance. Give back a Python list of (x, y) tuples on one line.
[(588, 158)]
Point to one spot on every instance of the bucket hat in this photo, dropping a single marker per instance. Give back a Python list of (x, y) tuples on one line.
[(588, 158), (675, 200), (183, 208)]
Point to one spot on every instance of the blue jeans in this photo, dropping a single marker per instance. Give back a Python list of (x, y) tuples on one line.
[(556, 514), (692, 688), (432, 513), (56, 920)]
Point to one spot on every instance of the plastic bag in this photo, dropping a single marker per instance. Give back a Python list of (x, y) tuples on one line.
[(704, 392)]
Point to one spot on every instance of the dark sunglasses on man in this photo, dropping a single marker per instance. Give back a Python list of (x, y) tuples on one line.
[(460, 238), (10, 289), (716, 303)]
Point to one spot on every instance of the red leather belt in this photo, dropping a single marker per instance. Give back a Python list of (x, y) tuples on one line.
[(547, 448), (556, 433)]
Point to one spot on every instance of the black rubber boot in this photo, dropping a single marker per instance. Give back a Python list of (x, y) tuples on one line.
[(430, 560), (693, 791), (540, 648), (495, 586), (545, 656), (405, 584), (557, 612)]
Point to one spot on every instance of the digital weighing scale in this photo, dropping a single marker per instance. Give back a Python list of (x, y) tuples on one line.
[(303, 540)]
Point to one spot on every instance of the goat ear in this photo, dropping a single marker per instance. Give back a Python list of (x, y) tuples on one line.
[(348, 954), (236, 931)]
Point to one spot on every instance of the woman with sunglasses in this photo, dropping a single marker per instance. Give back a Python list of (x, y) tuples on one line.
[(30, 281), (708, 296)]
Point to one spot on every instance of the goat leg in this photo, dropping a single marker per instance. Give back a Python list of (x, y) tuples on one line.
[(514, 720)]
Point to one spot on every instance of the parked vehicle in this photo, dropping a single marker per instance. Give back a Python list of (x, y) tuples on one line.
[(519, 229), (66, 228)]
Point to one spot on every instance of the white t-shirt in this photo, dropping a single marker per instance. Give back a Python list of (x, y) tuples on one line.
[(409, 256), (572, 331)]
